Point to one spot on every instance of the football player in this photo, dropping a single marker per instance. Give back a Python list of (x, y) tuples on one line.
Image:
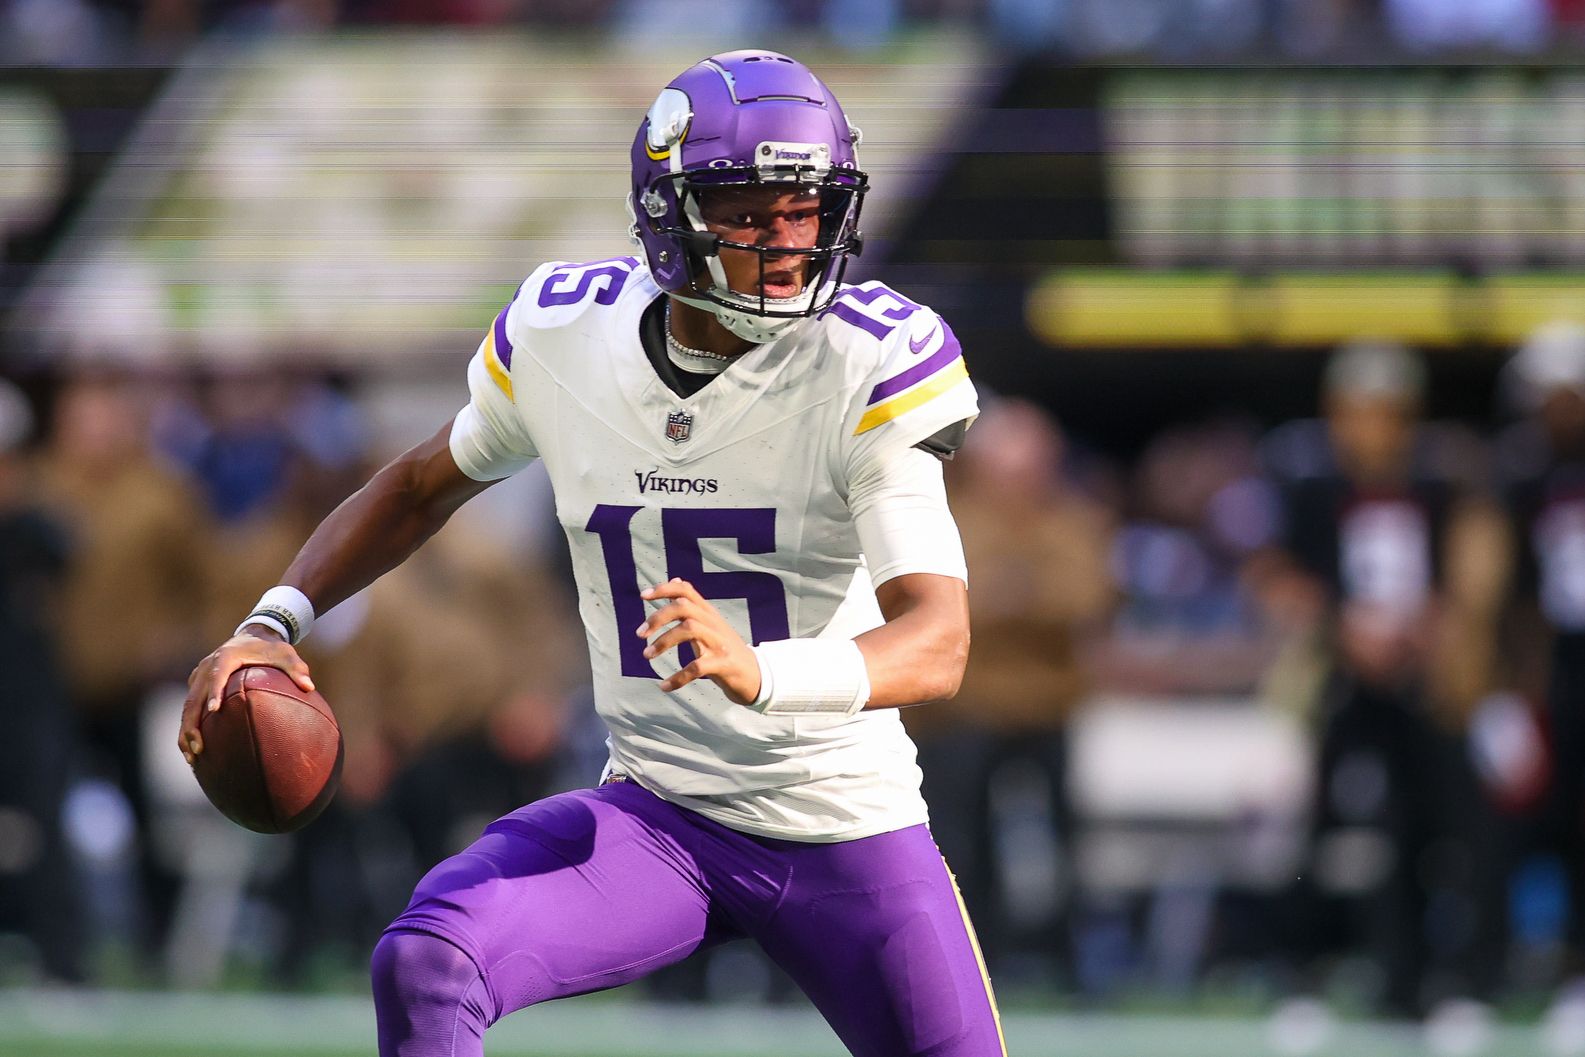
[(745, 458)]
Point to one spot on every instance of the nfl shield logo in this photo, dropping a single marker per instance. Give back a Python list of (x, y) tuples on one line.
[(679, 424)]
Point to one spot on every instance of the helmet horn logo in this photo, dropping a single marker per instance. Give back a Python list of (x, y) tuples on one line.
[(668, 118)]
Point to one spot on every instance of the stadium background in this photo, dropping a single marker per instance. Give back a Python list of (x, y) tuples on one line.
[(247, 248)]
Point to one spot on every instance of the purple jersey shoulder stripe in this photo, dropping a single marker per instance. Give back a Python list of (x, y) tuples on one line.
[(503, 343), (503, 346), (949, 352)]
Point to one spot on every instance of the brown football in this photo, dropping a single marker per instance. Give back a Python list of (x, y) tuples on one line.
[(272, 753)]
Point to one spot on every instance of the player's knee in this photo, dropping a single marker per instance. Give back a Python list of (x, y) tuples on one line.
[(424, 981)]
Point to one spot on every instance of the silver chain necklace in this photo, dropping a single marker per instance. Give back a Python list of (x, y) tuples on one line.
[(683, 350)]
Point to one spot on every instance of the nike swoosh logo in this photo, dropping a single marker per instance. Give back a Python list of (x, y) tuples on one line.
[(916, 347)]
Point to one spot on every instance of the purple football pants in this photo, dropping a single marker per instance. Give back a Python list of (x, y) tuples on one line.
[(597, 887)]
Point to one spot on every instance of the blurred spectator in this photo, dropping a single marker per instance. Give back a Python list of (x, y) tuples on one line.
[(1028, 25), (474, 703), (1380, 514), (132, 598), (1198, 509), (995, 756), (165, 27), (683, 21), (39, 892), (1542, 459), (87, 32), (438, 12), (861, 24), (1444, 25), (54, 32), (248, 438)]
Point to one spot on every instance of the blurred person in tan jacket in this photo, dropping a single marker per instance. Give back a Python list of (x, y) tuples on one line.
[(130, 604), (138, 535), (995, 756)]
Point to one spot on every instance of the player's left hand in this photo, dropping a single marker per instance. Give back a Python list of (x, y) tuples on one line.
[(721, 654)]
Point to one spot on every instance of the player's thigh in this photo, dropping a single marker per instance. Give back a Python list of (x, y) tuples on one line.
[(875, 933), (574, 893)]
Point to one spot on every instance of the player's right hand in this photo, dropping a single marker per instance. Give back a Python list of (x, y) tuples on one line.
[(255, 645)]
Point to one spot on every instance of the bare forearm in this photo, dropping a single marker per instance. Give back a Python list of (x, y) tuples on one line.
[(376, 528), (918, 655), (369, 534)]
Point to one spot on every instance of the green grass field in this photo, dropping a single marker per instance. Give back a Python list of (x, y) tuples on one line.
[(69, 1023), (110, 1049)]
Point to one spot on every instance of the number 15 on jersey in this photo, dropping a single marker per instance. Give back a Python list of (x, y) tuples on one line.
[(682, 529)]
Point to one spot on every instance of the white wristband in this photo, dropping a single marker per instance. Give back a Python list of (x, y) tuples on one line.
[(286, 610), (811, 675)]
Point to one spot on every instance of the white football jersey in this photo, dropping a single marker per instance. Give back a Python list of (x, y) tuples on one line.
[(741, 489)]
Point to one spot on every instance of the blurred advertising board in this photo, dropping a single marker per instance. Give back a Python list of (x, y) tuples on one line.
[(1480, 167), (1306, 206)]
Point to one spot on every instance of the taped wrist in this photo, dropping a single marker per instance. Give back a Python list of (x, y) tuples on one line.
[(285, 610), (811, 676)]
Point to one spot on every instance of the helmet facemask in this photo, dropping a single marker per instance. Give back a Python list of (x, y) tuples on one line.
[(706, 203)]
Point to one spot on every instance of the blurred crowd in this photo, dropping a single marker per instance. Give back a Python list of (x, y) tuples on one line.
[(75, 32), (1410, 593), (147, 515)]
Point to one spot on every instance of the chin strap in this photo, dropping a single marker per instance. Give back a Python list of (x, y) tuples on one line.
[(753, 327), (746, 325)]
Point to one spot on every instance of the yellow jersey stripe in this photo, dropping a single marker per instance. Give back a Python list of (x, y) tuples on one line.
[(492, 363), (901, 405), (979, 959)]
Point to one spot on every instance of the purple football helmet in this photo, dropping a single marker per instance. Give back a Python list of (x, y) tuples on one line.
[(736, 119)]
